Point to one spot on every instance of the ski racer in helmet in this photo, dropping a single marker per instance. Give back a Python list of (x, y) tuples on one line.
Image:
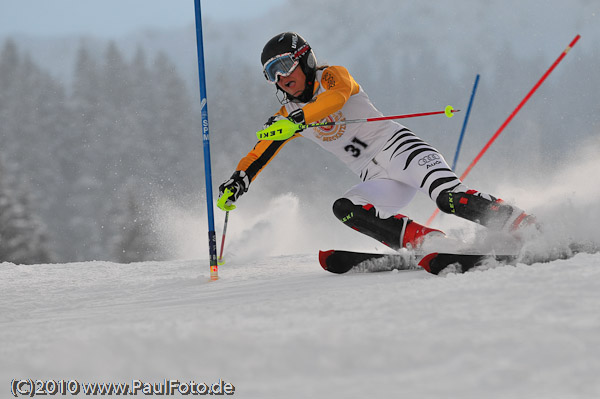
[(391, 161)]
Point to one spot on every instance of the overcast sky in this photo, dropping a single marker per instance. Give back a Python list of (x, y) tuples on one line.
[(111, 18)]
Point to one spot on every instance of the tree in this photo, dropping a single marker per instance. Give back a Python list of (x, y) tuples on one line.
[(22, 235)]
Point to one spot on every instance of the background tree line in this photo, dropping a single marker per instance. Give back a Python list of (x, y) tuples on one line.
[(91, 159)]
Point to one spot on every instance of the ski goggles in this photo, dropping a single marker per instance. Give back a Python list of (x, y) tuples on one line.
[(283, 64)]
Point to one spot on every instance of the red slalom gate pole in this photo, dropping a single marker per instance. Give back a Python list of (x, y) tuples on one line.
[(527, 97), (511, 116)]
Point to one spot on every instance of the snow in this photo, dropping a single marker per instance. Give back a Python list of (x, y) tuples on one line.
[(282, 327), (278, 326)]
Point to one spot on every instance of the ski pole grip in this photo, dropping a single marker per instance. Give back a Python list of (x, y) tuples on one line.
[(222, 202), (281, 130)]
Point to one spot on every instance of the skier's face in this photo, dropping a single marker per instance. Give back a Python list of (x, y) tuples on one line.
[(293, 84)]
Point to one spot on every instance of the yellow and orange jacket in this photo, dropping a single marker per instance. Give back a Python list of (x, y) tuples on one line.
[(337, 97)]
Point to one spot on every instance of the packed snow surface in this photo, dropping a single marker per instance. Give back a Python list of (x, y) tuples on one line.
[(276, 325), (282, 327)]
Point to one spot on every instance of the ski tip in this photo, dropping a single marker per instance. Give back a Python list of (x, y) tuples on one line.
[(426, 260), (323, 255)]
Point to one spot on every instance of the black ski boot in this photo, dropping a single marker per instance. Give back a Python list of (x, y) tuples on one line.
[(396, 232), (484, 209)]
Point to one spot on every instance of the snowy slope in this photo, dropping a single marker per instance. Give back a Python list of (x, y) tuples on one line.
[(278, 326), (281, 327)]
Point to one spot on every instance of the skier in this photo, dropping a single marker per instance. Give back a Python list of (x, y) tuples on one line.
[(392, 162)]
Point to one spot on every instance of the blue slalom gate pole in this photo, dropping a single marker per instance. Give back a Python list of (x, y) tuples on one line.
[(212, 241), (464, 127)]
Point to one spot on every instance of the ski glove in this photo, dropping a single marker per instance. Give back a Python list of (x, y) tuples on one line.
[(296, 116), (233, 189)]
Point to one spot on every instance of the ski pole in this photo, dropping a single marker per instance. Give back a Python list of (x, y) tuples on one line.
[(449, 112), (220, 260), (222, 204), (283, 129), (511, 116)]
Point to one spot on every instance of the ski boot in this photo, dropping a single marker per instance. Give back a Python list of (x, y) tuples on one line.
[(396, 232), (485, 210), (509, 227)]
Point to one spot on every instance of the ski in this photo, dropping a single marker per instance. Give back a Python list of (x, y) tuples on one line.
[(340, 262), (436, 262)]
